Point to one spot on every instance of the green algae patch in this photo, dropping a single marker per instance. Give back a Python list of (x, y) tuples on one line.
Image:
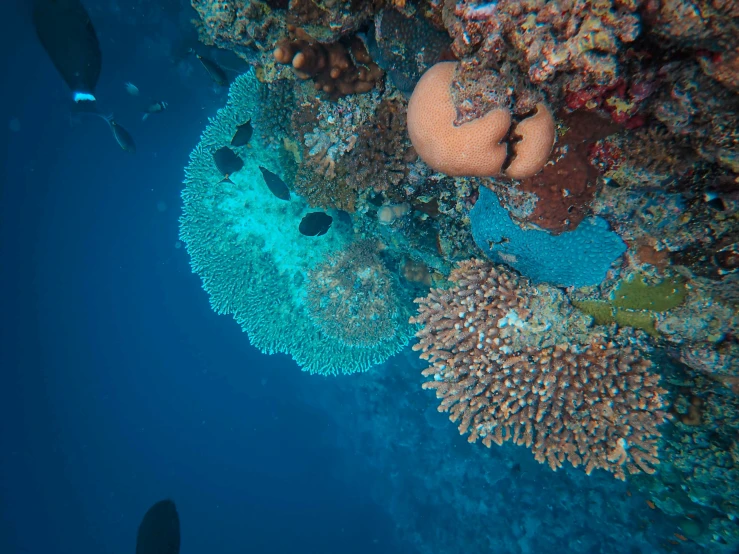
[(635, 303), (634, 293), (600, 310), (638, 319)]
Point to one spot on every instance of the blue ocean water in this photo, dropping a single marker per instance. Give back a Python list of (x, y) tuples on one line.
[(122, 387)]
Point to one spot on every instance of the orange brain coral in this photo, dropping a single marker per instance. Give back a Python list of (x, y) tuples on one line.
[(537, 139), (469, 150)]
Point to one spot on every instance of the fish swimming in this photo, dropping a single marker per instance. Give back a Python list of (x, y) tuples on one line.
[(213, 69), (66, 33), (122, 137), (227, 161), (315, 224), (159, 530), (243, 134), (131, 89), (276, 185), (156, 107)]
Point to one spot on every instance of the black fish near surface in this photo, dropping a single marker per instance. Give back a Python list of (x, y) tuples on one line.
[(276, 185), (243, 134), (227, 161), (66, 33), (315, 224), (159, 530)]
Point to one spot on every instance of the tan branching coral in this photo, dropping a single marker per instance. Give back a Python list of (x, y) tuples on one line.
[(537, 138), (473, 149), (591, 401)]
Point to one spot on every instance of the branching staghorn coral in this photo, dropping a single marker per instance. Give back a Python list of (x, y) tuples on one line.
[(592, 401)]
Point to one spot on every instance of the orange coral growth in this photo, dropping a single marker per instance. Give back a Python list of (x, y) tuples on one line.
[(473, 149), (338, 69), (537, 139), (594, 404)]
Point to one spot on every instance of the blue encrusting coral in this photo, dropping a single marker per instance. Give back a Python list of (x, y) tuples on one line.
[(578, 258)]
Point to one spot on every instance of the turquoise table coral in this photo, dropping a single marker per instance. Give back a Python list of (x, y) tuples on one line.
[(245, 245), (577, 258)]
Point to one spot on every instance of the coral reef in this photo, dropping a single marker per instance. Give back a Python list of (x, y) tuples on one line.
[(351, 297), (328, 134), (327, 20), (245, 246), (405, 47), (473, 148), (577, 43), (592, 403), (589, 146), (707, 113), (698, 470), (590, 250), (338, 68), (601, 56), (239, 25)]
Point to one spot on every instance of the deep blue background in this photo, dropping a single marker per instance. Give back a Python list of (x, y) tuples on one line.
[(119, 385)]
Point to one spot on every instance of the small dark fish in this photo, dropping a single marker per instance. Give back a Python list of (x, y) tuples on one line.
[(227, 161), (714, 201), (214, 70), (66, 33), (156, 107), (276, 185), (159, 531), (315, 224), (122, 137), (243, 134)]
